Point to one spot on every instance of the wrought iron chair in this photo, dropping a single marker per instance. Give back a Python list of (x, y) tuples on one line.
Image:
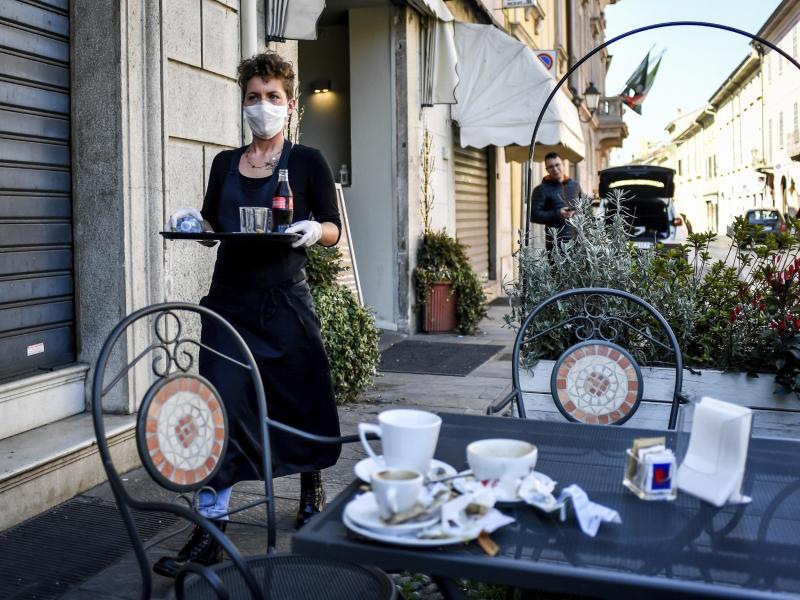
[(606, 333), (181, 434)]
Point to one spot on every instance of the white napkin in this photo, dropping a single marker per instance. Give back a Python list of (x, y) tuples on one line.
[(457, 523), (590, 514), (537, 490)]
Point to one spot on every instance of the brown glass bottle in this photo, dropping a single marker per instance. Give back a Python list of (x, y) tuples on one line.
[(282, 203)]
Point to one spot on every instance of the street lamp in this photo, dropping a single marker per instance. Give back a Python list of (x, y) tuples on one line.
[(592, 97)]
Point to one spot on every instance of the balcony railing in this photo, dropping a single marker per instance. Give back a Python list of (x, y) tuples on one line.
[(610, 109)]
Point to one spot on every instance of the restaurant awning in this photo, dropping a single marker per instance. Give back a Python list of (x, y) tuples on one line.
[(438, 56), (502, 88), (293, 20)]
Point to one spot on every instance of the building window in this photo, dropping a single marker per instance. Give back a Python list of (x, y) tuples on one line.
[(796, 122), (780, 130), (769, 141), (680, 167)]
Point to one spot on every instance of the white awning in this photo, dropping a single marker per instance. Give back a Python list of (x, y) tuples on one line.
[(293, 19), (502, 88), (438, 56)]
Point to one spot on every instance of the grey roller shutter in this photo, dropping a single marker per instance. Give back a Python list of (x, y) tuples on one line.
[(471, 168), (36, 278)]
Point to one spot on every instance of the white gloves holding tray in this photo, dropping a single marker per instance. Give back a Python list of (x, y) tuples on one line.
[(310, 232), (172, 223)]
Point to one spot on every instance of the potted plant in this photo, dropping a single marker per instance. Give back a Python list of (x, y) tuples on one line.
[(447, 288)]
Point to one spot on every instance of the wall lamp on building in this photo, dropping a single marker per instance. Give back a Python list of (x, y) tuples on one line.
[(321, 86), (592, 97)]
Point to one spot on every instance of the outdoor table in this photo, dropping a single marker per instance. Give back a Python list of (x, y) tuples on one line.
[(683, 548)]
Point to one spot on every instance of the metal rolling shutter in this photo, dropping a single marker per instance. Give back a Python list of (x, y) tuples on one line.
[(36, 283), (472, 205)]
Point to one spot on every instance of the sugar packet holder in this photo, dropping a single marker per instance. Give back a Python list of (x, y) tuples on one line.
[(650, 470)]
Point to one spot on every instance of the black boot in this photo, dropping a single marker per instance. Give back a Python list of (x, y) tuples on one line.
[(201, 548), (312, 497)]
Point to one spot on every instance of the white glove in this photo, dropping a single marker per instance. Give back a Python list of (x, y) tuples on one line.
[(311, 231), (172, 224)]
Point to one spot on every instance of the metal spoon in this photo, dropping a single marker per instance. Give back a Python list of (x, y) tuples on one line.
[(467, 473)]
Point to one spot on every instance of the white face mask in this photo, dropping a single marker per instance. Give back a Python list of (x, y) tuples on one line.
[(266, 120)]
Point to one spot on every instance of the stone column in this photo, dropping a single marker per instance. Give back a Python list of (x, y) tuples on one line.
[(117, 164)]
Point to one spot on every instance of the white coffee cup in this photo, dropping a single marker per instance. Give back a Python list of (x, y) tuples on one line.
[(408, 438), (501, 459), (396, 490)]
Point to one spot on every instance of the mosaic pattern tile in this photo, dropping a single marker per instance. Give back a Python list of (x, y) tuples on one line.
[(597, 382), (183, 436)]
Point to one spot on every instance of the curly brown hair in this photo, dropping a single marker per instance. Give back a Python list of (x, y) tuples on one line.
[(269, 65)]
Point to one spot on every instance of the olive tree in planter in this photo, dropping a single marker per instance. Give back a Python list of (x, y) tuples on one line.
[(348, 329), (447, 288), (443, 268)]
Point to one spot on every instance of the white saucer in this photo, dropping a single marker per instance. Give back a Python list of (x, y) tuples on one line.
[(367, 466), (469, 485), (403, 539), (363, 511)]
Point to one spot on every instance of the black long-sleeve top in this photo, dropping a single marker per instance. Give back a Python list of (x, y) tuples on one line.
[(258, 264)]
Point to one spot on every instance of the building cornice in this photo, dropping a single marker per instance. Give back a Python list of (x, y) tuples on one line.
[(743, 71), (780, 22)]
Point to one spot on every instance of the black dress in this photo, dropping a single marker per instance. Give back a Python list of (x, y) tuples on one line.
[(261, 290)]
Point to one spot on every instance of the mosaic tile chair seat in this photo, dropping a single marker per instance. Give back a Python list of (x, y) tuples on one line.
[(598, 338), (181, 435)]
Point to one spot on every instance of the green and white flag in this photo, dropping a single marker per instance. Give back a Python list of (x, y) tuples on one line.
[(639, 83)]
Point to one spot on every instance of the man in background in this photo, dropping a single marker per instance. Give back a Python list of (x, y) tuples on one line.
[(552, 201)]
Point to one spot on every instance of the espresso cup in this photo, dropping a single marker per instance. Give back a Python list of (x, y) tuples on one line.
[(501, 459), (396, 490), (408, 438)]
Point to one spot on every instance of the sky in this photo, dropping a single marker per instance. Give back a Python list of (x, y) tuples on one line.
[(697, 59)]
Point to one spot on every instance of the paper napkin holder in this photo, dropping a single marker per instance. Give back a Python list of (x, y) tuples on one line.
[(713, 469)]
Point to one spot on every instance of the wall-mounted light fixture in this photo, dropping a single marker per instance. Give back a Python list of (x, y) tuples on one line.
[(320, 86), (592, 97)]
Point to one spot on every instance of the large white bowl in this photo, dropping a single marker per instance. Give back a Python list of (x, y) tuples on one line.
[(501, 459)]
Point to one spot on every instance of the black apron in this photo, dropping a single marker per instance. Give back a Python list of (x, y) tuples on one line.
[(259, 289)]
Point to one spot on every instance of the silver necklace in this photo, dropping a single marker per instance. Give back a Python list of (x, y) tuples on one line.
[(270, 164)]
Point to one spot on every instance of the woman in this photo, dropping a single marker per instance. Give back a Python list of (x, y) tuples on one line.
[(262, 291)]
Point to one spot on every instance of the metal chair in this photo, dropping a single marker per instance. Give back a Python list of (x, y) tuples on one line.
[(182, 434), (606, 333)]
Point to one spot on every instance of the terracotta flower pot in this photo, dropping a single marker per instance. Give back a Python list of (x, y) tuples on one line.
[(439, 313)]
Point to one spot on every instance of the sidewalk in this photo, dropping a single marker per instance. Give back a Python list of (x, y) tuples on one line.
[(470, 394)]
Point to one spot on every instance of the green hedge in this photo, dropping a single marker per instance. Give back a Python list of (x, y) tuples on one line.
[(348, 330)]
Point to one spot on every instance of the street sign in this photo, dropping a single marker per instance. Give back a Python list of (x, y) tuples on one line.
[(549, 58)]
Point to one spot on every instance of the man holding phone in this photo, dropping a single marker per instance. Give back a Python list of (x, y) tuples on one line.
[(553, 200)]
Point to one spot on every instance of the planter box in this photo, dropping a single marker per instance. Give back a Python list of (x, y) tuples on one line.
[(439, 312), (776, 412)]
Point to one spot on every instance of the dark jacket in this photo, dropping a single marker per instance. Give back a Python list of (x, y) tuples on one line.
[(549, 198)]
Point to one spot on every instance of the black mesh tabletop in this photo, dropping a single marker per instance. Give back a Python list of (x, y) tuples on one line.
[(288, 577), (683, 548)]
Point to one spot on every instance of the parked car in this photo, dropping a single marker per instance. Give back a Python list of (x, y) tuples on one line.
[(769, 220), (647, 199)]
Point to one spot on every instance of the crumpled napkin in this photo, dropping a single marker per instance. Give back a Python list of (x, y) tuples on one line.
[(468, 515), (590, 515), (536, 489)]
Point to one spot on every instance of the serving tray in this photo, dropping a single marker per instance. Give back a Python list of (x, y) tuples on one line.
[(227, 236)]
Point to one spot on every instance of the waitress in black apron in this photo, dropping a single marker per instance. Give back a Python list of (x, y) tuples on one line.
[(262, 291)]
